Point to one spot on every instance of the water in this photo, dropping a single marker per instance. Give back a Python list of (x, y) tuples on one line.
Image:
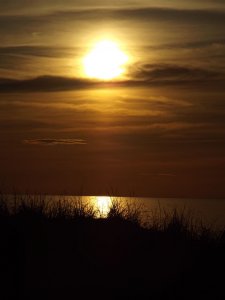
[(210, 211)]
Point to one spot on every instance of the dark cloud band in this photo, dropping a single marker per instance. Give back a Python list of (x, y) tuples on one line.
[(140, 75), (52, 142)]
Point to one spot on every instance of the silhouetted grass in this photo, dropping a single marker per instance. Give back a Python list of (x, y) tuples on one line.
[(66, 249)]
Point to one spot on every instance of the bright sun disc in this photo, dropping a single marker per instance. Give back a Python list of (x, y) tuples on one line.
[(106, 61)]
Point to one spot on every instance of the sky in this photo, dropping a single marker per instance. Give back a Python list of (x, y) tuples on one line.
[(158, 130)]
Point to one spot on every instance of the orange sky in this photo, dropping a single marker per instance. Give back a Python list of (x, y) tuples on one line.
[(160, 131)]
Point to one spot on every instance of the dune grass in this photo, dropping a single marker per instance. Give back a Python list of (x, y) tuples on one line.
[(179, 224), (44, 207), (67, 249)]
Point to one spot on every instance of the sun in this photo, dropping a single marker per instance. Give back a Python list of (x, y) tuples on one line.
[(106, 61)]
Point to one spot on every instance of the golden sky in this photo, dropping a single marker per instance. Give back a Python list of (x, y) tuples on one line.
[(157, 130)]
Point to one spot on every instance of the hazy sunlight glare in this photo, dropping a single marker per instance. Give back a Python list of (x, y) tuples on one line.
[(106, 61), (103, 204)]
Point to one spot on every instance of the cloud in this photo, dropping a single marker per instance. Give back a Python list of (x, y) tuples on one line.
[(37, 22), (196, 44), (169, 72), (167, 175), (38, 51), (41, 6), (140, 13), (144, 14), (140, 75), (44, 83), (53, 142), (152, 28), (16, 57)]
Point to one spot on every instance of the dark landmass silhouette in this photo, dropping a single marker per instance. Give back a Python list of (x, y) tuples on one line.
[(63, 251)]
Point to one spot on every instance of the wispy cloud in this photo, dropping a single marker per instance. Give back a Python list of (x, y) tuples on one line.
[(141, 13), (167, 175), (53, 142), (37, 51), (153, 74), (54, 22), (195, 44), (44, 83), (43, 6), (169, 72)]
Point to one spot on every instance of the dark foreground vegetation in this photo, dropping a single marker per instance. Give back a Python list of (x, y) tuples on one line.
[(63, 251)]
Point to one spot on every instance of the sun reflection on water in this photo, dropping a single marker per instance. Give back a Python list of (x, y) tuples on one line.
[(102, 203)]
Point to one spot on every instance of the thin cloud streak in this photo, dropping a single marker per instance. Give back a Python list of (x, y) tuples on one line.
[(43, 6), (54, 142), (37, 51), (154, 72), (142, 75), (139, 13)]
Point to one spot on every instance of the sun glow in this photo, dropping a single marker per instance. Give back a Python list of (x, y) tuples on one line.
[(103, 204), (106, 61)]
